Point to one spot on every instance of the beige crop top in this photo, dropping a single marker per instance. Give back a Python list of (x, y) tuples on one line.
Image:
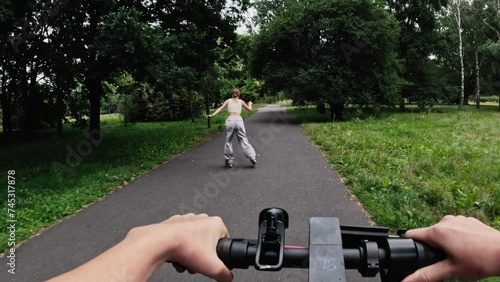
[(234, 106)]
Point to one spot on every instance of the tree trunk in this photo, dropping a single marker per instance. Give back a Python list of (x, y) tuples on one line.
[(404, 54), (402, 107), (320, 106), (34, 93), (336, 111), (27, 123), (191, 104), (207, 100), (478, 80), (95, 93), (460, 49), (60, 114)]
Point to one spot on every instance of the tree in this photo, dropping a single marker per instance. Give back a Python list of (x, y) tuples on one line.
[(7, 14), (416, 43), (335, 52), (478, 35), (54, 48), (267, 10), (490, 15), (232, 70), (23, 34), (200, 26), (477, 47), (457, 10), (61, 74)]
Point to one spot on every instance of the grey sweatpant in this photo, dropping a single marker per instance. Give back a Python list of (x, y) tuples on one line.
[(234, 125)]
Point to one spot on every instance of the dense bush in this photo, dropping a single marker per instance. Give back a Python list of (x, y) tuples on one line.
[(176, 107), (140, 102)]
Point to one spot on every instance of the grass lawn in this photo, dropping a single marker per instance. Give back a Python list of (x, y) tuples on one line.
[(410, 169), (57, 176)]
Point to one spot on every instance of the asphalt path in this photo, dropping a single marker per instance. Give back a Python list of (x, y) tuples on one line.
[(291, 174)]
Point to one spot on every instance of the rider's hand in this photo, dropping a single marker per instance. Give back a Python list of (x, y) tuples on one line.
[(472, 248), (196, 238), (189, 240), (250, 103), (209, 116)]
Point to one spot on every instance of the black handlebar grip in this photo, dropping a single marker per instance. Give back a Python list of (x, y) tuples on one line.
[(428, 255), (405, 256), (235, 253), (224, 251)]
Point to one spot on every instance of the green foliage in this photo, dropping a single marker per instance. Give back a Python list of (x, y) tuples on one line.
[(337, 52), (61, 44), (480, 26), (127, 42), (176, 107), (137, 101), (232, 71), (267, 10), (78, 107), (416, 43), (427, 88)]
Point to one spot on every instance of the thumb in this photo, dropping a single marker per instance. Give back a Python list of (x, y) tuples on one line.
[(435, 272)]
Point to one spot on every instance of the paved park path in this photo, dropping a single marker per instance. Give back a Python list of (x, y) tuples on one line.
[(290, 174)]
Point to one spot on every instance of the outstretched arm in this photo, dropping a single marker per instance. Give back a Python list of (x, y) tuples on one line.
[(472, 249), (218, 110), (188, 240), (248, 107)]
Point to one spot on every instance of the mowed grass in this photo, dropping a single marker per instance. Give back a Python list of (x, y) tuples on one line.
[(57, 176), (410, 169)]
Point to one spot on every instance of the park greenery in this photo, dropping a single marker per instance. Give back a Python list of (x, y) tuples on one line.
[(413, 168), (373, 74)]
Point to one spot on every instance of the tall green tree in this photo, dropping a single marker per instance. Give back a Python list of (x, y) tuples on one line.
[(201, 26), (23, 37), (95, 66), (232, 70), (118, 36), (334, 52), (457, 11), (7, 54), (416, 43)]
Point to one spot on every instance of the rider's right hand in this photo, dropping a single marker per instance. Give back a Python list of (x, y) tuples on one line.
[(197, 237), (472, 248)]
